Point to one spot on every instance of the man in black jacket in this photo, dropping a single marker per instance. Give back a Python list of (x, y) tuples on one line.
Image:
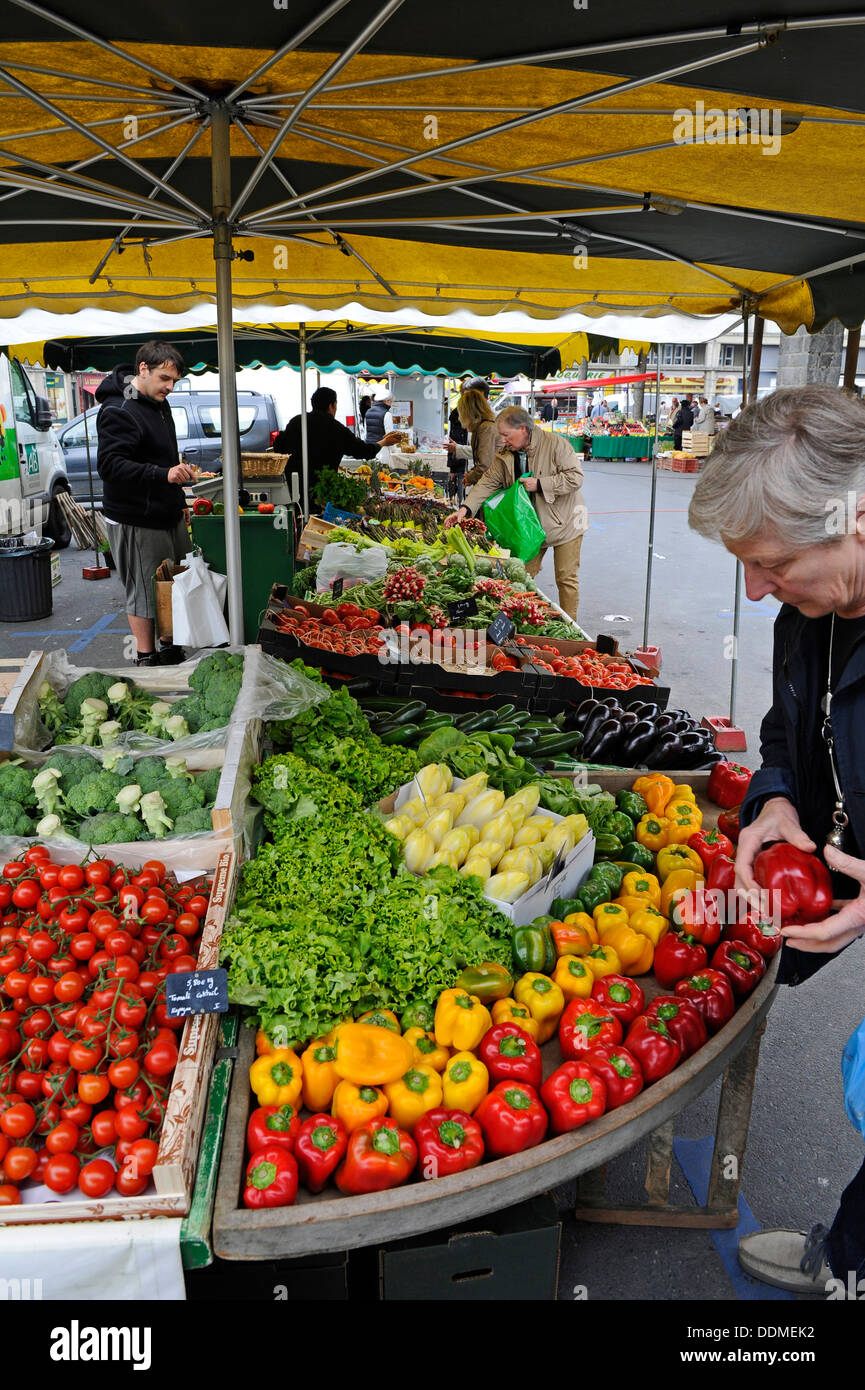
[(143, 500), (327, 439)]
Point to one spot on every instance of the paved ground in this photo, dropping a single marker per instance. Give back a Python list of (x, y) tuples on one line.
[(802, 1149)]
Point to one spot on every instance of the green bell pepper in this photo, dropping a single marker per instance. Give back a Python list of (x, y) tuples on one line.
[(592, 894), (563, 907), (632, 804), (418, 1015), (608, 847), (533, 948), (638, 854), (609, 874), (617, 823), (487, 982)]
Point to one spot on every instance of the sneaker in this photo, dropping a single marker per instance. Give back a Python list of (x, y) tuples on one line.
[(169, 655), (149, 659), (791, 1260)]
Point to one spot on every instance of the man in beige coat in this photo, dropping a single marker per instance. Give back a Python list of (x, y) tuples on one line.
[(552, 474)]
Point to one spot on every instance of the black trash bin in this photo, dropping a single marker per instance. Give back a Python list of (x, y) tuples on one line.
[(25, 580)]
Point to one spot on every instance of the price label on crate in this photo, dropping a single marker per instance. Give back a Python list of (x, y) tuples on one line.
[(196, 992), (463, 608), (336, 588), (500, 630)]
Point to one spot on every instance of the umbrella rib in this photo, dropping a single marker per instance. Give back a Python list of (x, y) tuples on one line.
[(109, 47), (288, 47), (97, 82), (85, 191), (320, 83), (105, 120), (810, 274)]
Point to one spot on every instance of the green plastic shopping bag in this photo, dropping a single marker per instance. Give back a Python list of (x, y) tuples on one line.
[(513, 522)]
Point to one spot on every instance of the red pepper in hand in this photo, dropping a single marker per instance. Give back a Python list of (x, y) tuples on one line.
[(272, 1124), (620, 997), (721, 877), (695, 914), (801, 882), (618, 1069), (509, 1054), (319, 1149), (572, 1095), (727, 784), (711, 994), (683, 1019), (743, 966), (728, 823), (709, 844), (584, 1024), (756, 932), (512, 1118), (271, 1178), (448, 1141), (379, 1155), (677, 956), (654, 1047)]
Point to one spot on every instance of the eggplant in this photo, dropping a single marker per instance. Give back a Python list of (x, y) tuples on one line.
[(665, 723), (629, 719), (580, 716), (640, 739), (685, 726), (667, 751), (612, 702), (645, 711), (596, 718), (694, 750), (606, 742)]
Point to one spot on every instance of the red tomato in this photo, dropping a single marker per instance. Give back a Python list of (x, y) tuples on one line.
[(125, 968), (16, 868), (69, 987), (123, 1072), (58, 1047), (157, 866), (29, 1083), (143, 1155), (27, 894), (51, 1115), (19, 1162), (61, 965), (79, 1112), (84, 1056), (91, 1023), (16, 984), (161, 1059), (104, 1128), (117, 942), (97, 961), (18, 1120), (67, 1017), (181, 964), (37, 1024), (137, 952), (83, 945), (93, 1087), (63, 1138), (127, 1184), (148, 982), (187, 924), (96, 1178), (11, 958), (99, 871), (74, 919), (131, 1008), (61, 1172), (123, 1042), (173, 945), (130, 896), (58, 1083), (40, 988), (48, 875), (9, 1194), (71, 877), (42, 945), (130, 1123), (161, 1017), (146, 879), (37, 855), (197, 904), (102, 922), (35, 1054)]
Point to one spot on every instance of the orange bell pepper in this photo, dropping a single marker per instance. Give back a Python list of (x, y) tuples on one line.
[(369, 1055), (656, 790), (320, 1078), (357, 1105), (634, 950), (573, 977), (575, 937)]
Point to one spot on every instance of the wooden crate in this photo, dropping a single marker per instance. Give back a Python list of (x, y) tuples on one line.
[(697, 442), (314, 537), (174, 1172)]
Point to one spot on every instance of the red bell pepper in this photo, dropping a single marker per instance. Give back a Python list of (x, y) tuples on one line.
[(272, 1124), (654, 1047), (266, 508), (799, 882), (271, 1178), (696, 914), (448, 1141), (202, 506), (584, 1024), (379, 1155), (572, 1095), (677, 956), (727, 785), (509, 1054), (512, 1118), (756, 932), (618, 1069), (620, 997), (319, 1149), (728, 823), (683, 1019), (709, 844), (743, 966), (721, 881), (711, 994)]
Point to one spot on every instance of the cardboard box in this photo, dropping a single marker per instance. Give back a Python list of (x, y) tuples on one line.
[(162, 583)]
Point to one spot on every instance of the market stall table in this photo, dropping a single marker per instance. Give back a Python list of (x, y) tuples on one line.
[(618, 446)]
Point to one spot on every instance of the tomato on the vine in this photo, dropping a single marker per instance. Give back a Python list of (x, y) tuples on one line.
[(83, 946), (37, 854), (61, 1172), (19, 1162), (104, 1128), (9, 1195), (85, 1056), (26, 894), (58, 1046), (69, 987), (40, 988), (41, 946), (71, 877), (51, 1115), (18, 1120), (79, 1112), (93, 1087), (197, 904), (96, 1178), (123, 1072), (127, 1184), (123, 1042), (29, 1083), (37, 1023), (157, 867), (130, 1124), (63, 1138), (99, 871)]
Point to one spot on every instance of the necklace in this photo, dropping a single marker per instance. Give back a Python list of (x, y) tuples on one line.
[(840, 819)]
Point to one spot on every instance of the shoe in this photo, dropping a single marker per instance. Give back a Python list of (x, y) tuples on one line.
[(791, 1260), (149, 659), (169, 655)]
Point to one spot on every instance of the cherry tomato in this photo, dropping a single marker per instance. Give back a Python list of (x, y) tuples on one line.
[(130, 1123), (123, 1042), (69, 987), (137, 952), (96, 1178), (146, 879), (61, 1172), (143, 1156), (16, 984), (40, 988), (173, 945), (97, 962), (74, 919), (148, 982), (84, 1056), (37, 1024), (99, 871), (92, 1023), (153, 911), (161, 1017), (99, 894), (127, 1184), (71, 877), (181, 964), (58, 1047), (161, 1059), (16, 868), (58, 1083), (187, 924), (9, 1194), (83, 945), (35, 1054), (38, 854), (198, 904), (19, 1162), (123, 1072), (29, 1083), (125, 968), (18, 1121), (130, 896), (131, 1009), (11, 958), (61, 965), (157, 867), (48, 875), (67, 1016), (63, 1138), (117, 942), (42, 946), (10, 1041), (151, 934), (27, 894), (93, 1087), (104, 1128), (79, 1112), (50, 1116), (102, 922)]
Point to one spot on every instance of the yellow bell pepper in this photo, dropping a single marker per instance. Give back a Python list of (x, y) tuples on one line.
[(382, 1018), (677, 856), (684, 792), (509, 1011), (357, 1105), (603, 960), (609, 915), (369, 1055), (632, 904), (320, 1079), (573, 977), (427, 1052), (652, 831), (544, 1001), (680, 830), (580, 919), (676, 809), (649, 922), (655, 789), (465, 1081), (413, 1095), (460, 1020), (642, 886), (678, 880), (634, 950), (277, 1077)]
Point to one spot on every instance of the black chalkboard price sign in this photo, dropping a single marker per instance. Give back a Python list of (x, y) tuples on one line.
[(463, 608), (337, 588), (500, 630), (196, 992)]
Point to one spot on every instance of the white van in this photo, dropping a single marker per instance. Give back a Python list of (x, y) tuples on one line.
[(32, 470)]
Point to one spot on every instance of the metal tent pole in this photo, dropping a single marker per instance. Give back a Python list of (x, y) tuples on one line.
[(652, 501), (222, 255), (304, 441), (737, 595)]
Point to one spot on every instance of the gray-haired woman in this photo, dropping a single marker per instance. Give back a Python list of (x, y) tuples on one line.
[(784, 490)]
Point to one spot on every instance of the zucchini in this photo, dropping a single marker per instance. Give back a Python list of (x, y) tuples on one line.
[(467, 722), (524, 743), (542, 725), (558, 743), (504, 712), (403, 734), (380, 702), (408, 713), (441, 721), (521, 717)]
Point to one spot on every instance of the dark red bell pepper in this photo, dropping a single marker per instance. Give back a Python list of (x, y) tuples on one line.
[(202, 506), (512, 1118), (696, 914), (721, 883), (618, 1069), (272, 1124), (654, 1047), (756, 932), (799, 882), (319, 1149), (709, 844), (509, 1054), (584, 1024), (728, 823), (743, 966), (572, 1095), (677, 956), (727, 785), (448, 1141), (271, 1178), (711, 994), (379, 1155), (683, 1019), (620, 997)]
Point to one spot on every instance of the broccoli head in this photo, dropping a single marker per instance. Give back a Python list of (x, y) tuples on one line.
[(72, 767), (179, 795), (16, 784), (216, 662), (193, 710), (217, 680), (209, 783), (149, 773), (94, 792), (95, 685), (14, 819), (193, 822), (111, 827)]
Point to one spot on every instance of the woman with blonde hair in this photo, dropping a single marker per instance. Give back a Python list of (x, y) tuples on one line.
[(477, 417)]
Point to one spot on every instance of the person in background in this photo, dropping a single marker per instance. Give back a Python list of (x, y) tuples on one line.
[(327, 439), (363, 406), (457, 434), (552, 474), (478, 421), (599, 409), (379, 421), (705, 420), (550, 410)]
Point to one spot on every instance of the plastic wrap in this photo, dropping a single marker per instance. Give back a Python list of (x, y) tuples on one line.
[(339, 560), (186, 858)]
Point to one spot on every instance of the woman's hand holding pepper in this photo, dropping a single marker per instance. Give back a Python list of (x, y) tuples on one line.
[(778, 820), (837, 931)]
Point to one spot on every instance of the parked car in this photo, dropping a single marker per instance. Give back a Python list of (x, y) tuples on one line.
[(198, 425), (32, 472)]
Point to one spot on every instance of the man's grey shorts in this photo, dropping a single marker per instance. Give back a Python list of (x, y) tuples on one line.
[(137, 553)]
